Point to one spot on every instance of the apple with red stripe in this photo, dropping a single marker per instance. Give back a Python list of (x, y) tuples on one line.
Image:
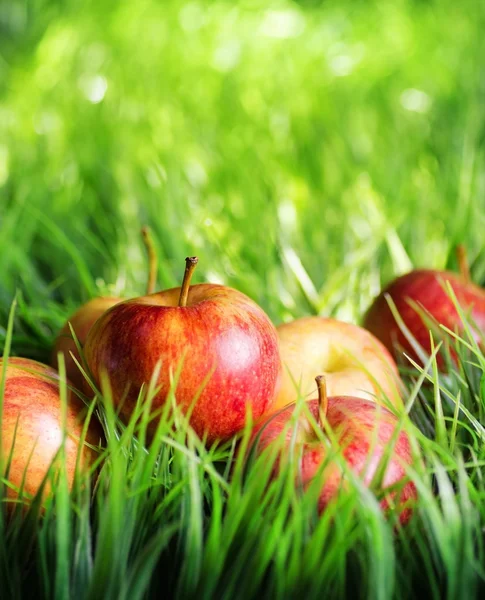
[(365, 432), (224, 343), (422, 301), (32, 426)]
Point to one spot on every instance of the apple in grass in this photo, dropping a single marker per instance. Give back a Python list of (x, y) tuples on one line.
[(85, 317), (32, 426), (353, 361), (422, 301), (223, 342), (368, 436), (81, 322)]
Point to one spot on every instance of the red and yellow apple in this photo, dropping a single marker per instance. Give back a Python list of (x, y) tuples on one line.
[(366, 435), (85, 317), (223, 342), (32, 426), (423, 292), (352, 360), (81, 321)]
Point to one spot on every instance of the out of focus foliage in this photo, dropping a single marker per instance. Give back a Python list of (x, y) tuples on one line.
[(307, 151)]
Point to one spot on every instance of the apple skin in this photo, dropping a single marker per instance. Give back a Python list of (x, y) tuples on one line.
[(363, 430), (82, 321), (426, 288), (354, 362), (32, 404), (226, 341)]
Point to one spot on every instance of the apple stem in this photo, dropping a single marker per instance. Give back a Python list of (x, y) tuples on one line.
[(463, 265), (322, 399), (152, 259), (190, 264)]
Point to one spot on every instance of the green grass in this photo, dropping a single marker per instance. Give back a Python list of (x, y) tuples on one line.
[(307, 152)]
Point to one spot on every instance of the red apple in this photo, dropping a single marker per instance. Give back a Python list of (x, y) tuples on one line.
[(85, 317), (352, 360), (363, 430), (426, 289), (32, 423), (224, 342)]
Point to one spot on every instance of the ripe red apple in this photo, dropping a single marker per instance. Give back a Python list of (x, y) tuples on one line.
[(32, 423), (224, 342), (363, 430), (85, 317), (352, 360), (426, 289)]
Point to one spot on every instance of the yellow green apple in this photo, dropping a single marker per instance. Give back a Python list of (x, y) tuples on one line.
[(353, 361)]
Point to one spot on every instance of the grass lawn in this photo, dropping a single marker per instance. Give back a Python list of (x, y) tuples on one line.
[(307, 152)]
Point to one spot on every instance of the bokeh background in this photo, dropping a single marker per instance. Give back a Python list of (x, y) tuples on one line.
[(305, 151)]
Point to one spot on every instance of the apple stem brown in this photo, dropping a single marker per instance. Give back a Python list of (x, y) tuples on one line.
[(322, 399), (152, 259), (190, 264), (463, 265)]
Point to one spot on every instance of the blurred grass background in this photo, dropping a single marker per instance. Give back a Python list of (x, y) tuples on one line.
[(306, 151)]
